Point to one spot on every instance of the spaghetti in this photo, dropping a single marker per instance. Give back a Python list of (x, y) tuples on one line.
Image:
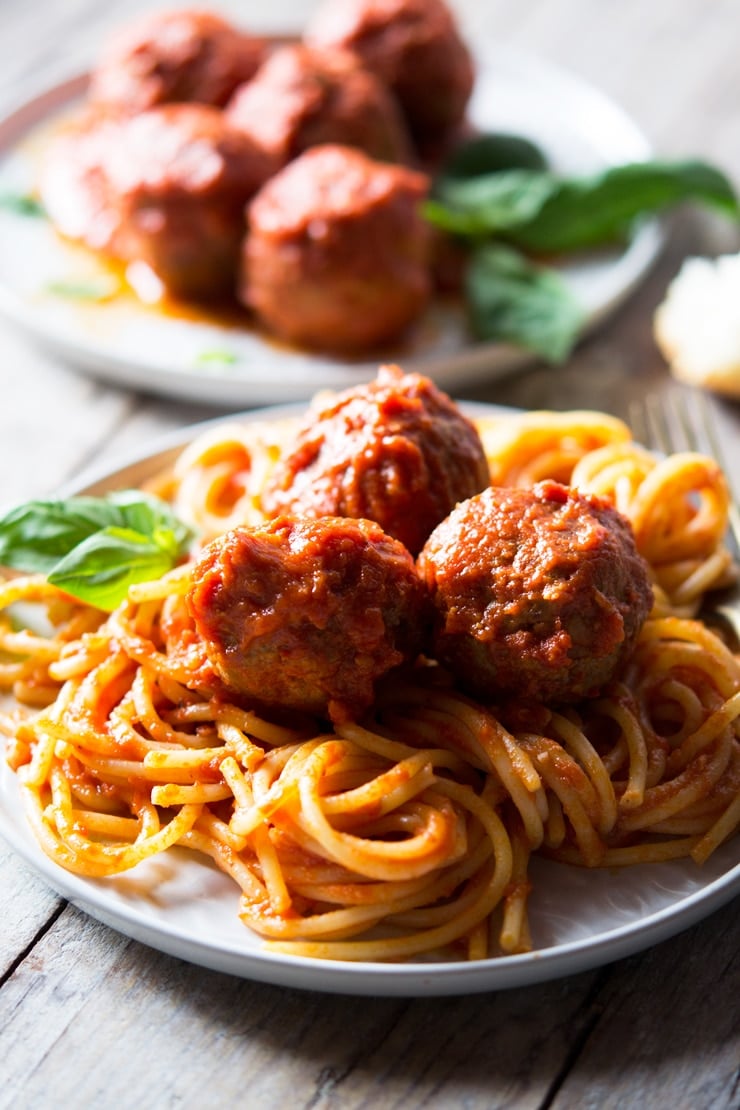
[(409, 831)]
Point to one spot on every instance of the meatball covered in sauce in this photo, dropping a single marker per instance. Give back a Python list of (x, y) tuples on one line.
[(165, 189), (336, 252), (174, 56), (396, 450), (539, 593), (414, 46), (308, 615), (303, 97), (74, 185)]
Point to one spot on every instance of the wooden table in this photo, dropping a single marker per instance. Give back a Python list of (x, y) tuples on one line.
[(91, 1018)]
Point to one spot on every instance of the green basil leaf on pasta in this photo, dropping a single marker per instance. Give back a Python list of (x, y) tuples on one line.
[(149, 515), (512, 300), (95, 547), (101, 568), (36, 535)]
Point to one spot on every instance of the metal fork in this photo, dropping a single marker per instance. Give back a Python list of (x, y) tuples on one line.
[(681, 420)]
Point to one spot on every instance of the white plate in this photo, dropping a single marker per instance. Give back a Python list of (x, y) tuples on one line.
[(124, 342), (580, 918)]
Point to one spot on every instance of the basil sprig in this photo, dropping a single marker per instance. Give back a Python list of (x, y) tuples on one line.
[(94, 548), (547, 214), (490, 153), (509, 208), (22, 204), (96, 289), (509, 297)]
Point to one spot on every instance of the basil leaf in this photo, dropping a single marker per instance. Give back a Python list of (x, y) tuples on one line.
[(541, 212), (490, 153), (512, 300), (490, 204), (22, 204), (217, 357), (454, 222), (149, 515), (101, 568), (93, 290), (592, 211), (35, 536), (95, 547)]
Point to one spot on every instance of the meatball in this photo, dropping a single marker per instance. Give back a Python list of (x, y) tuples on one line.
[(396, 450), (414, 46), (336, 252), (303, 97), (182, 176), (539, 593), (73, 184), (307, 615), (171, 57), (167, 189)]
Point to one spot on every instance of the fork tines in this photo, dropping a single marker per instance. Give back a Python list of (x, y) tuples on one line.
[(682, 420)]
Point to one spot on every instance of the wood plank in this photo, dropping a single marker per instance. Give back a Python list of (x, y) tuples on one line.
[(196, 1030), (50, 422), (68, 422), (200, 1036), (666, 1022), (27, 906)]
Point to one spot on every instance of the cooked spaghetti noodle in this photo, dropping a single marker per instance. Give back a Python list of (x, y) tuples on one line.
[(409, 831)]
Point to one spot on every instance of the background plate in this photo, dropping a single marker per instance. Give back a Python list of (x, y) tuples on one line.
[(181, 905), (124, 342)]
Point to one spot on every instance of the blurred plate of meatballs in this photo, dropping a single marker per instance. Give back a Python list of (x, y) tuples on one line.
[(218, 216)]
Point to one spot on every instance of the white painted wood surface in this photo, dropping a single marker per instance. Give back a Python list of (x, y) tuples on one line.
[(90, 1018)]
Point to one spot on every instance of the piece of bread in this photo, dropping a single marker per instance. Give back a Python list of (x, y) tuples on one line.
[(697, 327)]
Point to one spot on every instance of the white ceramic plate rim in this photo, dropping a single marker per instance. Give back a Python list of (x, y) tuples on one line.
[(612, 137), (411, 979)]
